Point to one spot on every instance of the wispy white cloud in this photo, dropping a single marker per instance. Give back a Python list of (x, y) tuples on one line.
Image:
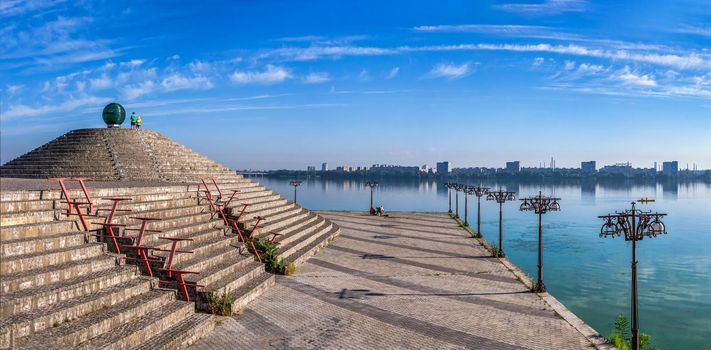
[(695, 30), (317, 52), (363, 75), (546, 7), (449, 71), (180, 82), (271, 75), (627, 76), (24, 111), (317, 78), (393, 73), (100, 83), (131, 92), (13, 89), (538, 61), (10, 8), (132, 63)]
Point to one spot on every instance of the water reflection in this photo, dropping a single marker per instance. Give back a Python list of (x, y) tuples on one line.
[(588, 274)]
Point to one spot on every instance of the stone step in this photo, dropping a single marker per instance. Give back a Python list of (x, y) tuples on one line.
[(297, 225), (277, 220), (33, 230), (10, 283), (187, 230), (182, 334), (27, 262), (287, 249), (243, 295), (166, 214), (300, 256), (44, 296), (290, 236), (121, 326), (21, 196), (266, 208), (146, 207), (28, 217), (44, 243), (199, 249), (19, 206), (52, 316), (204, 263), (220, 274), (229, 283)]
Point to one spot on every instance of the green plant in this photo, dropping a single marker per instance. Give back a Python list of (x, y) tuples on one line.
[(268, 251), (219, 304), (290, 269), (620, 337), (494, 249)]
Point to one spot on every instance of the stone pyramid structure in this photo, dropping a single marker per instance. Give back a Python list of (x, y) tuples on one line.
[(113, 154), (63, 287)]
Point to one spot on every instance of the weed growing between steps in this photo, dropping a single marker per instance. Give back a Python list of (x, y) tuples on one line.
[(219, 304), (620, 336), (268, 252)]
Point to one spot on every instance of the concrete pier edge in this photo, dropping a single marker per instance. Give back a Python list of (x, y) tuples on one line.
[(597, 340)]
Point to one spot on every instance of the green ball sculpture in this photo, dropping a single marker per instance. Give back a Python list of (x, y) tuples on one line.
[(114, 115)]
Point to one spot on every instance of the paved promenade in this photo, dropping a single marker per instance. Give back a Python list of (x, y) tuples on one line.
[(408, 281)]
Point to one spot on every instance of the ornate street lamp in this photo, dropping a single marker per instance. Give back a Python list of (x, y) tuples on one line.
[(295, 183), (634, 224), (500, 197), (540, 205), (478, 191), (372, 185)]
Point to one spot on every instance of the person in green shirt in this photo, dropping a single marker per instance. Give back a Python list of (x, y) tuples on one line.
[(134, 117)]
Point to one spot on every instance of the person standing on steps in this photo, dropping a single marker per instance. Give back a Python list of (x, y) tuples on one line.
[(138, 122), (134, 118)]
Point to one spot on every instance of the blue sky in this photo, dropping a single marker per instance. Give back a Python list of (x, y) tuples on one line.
[(286, 84)]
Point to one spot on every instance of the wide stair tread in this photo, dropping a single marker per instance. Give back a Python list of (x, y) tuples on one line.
[(181, 334), (74, 308), (98, 263)]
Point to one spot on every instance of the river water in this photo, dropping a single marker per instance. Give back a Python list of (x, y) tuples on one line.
[(589, 274)]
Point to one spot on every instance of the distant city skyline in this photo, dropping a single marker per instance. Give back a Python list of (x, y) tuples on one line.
[(509, 165), (273, 84)]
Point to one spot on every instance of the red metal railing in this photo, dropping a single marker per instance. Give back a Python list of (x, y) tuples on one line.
[(108, 224), (65, 192), (142, 251), (168, 269)]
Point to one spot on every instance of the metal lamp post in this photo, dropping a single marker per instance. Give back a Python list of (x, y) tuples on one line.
[(295, 183), (500, 197), (465, 189), (540, 205), (478, 191), (634, 224), (457, 188), (372, 185), (449, 186)]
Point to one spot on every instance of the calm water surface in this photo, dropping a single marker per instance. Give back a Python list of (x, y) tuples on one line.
[(590, 275)]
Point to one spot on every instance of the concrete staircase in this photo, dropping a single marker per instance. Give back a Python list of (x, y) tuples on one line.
[(63, 288)]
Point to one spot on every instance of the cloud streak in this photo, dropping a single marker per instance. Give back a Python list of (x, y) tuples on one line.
[(449, 71), (271, 75), (545, 8)]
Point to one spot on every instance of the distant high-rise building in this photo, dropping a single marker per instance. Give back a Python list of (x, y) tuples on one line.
[(311, 168), (588, 167), (670, 168), (444, 167), (513, 167), (324, 166)]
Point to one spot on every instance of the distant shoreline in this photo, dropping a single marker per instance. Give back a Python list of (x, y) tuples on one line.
[(503, 176)]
